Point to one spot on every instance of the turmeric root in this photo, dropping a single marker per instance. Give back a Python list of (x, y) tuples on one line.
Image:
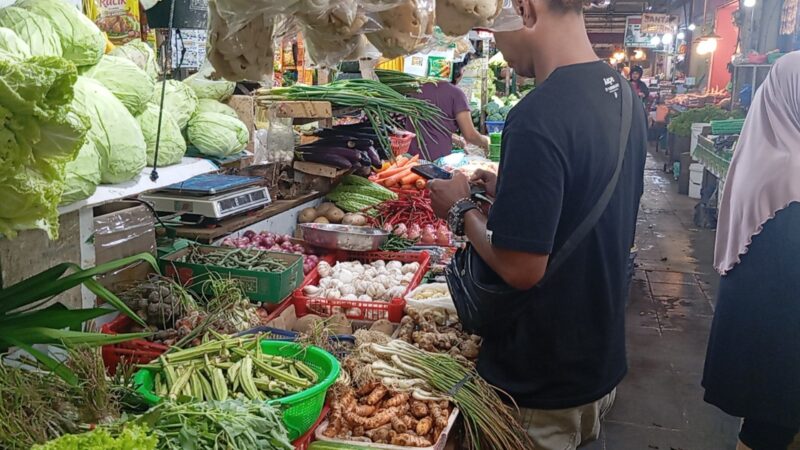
[(424, 426), (381, 418), (358, 431), (419, 409), (397, 400), (366, 389), (408, 440), (365, 410), (411, 422), (379, 435), (398, 425), (377, 395)]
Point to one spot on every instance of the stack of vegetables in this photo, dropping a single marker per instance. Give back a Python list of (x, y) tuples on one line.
[(498, 108), (341, 151), (355, 194), (411, 217), (399, 175), (274, 243)]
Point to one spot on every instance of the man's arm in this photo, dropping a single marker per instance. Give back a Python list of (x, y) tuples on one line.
[(464, 122), (520, 270)]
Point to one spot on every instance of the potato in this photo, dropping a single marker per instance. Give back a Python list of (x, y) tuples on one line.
[(323, 208), (354, 219), (321, 219), (307, 215), (334, 215)]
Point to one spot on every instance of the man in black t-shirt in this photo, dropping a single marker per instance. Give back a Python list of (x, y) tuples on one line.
[(562, 353)]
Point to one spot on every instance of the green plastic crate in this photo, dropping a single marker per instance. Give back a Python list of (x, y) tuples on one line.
[(300, 410), (265, 287)]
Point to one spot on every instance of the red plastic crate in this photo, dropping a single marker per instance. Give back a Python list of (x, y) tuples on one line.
[(305, 440), (401, 142), (354, 310), (136, 351)]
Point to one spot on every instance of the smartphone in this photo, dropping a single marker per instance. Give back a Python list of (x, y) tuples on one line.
[(432, 172)]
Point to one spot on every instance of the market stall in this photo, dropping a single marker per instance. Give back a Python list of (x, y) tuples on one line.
[(241, 251)]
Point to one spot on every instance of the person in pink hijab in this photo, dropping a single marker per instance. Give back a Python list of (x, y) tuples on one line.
[(752, 367)]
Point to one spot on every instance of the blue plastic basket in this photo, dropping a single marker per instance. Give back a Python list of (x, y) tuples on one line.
[(494, 126)]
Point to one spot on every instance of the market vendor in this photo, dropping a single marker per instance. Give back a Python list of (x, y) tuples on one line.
[(639, 86), (557, 347), (453, 102)]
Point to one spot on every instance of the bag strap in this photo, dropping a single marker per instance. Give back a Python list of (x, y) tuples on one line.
[(599, 208)]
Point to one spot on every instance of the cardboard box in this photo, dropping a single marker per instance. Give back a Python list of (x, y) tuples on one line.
[(123, 229), (245, 107)]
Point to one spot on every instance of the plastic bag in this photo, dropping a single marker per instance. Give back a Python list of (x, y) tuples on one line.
[(508, 19), (457, 17), (241, 54), (405, 28), (238, 14), (441, 298), (332, 29)]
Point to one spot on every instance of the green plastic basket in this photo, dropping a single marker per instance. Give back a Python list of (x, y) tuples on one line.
[(300, 410), (495, 138)]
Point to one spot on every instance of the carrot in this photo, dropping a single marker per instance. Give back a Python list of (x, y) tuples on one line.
[(400, 161), (389, 172), (407, 187), (398, 177), (410, 179), (390, 182), (409, 161), (421, 184)]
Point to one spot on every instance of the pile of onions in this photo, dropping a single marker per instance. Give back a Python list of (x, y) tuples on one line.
[(427, 235), (274, 243)]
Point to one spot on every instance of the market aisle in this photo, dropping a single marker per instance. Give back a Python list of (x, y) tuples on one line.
[(659, 404)]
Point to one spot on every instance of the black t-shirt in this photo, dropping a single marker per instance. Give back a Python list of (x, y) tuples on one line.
[(559, 150)]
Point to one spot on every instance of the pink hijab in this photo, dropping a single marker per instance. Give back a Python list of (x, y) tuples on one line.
[(764, 176)]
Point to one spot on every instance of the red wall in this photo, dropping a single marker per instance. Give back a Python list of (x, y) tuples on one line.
[(726, 46)]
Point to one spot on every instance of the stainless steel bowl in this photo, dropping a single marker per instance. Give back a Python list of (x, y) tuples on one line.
[(343, 237)]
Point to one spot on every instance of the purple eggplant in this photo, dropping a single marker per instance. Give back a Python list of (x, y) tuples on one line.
[(328, 159), (374, 159), (347, 153)]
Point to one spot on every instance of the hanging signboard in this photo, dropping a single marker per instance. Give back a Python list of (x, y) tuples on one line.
[(435, 64), (634, 37), (657, 24)]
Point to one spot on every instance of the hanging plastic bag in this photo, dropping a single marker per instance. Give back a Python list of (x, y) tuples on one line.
[(238, 14), (508, 19), (244, 54), (405, 28), (457, 17), (333, 29)]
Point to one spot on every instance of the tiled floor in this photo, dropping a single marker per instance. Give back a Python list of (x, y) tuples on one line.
[(660, 402)]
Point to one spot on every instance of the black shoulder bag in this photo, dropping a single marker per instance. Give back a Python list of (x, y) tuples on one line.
[(481, 297)]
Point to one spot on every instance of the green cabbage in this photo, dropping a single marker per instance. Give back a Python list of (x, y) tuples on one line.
[(172, 145), (205, 105), (204, 87), (179, 99), (125, 80), (82, 174), (114, 131), (140, 54), (32, 28), (39, 134), (81, 41), (218, 135), (12, 45)]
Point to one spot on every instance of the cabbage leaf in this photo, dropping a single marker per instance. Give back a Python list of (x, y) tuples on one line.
[(218, 135), (81, 41), (172, 146), (82, 174), (205, 105), (140, 54), (179, 99), (125, 80), (12, 45), (33, 29)]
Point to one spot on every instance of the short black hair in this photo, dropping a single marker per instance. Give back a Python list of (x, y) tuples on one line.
[(459, 66)]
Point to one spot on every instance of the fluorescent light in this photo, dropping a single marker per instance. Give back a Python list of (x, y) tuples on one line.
[(681, 35), (749, 3), (691, 27), (655, 41), (667, 39)]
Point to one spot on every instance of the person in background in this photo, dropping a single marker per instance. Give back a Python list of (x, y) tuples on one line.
[(639, 87), (752, 365), (560, 353), (453, 102)]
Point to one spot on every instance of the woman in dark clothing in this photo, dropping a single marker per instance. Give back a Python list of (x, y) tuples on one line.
[(639, 87), (753, 361)]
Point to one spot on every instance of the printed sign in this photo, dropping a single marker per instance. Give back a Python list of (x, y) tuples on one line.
[(657, 24), (634, 37)]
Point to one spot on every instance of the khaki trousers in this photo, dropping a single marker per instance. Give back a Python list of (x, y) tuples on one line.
[(566, 429)]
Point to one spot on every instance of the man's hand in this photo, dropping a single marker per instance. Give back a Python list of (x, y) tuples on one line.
[(445, 193), (485, 179)]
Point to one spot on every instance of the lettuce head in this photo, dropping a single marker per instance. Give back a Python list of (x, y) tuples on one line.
[(205, 105), (33, 29), (172, 145), (125, 80), (218, 135), (81, 41), (115, 132)]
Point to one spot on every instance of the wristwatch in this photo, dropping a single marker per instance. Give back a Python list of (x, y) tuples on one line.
[(455, 217)]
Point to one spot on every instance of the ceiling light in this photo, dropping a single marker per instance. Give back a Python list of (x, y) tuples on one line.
[(749, 3), (655, 41), (681, 35), (667, 39), (691, 27)]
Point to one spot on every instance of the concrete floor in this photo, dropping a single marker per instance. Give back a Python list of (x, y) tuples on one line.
[(660, 403)]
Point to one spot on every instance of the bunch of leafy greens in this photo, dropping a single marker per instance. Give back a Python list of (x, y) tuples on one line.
[(217, 134), (130, 84), (218, 425), (681, 124), (12, 46), (115, 132), (81, 41), (33, 29), (172, 146), (131, 438), (179, 99), (40, 133), (140, 54)]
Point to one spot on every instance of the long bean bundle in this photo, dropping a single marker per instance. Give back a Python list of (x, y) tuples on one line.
[(378, 101), (489, 422)]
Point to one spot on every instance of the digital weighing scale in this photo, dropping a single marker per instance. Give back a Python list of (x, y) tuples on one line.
[(210, 196)]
